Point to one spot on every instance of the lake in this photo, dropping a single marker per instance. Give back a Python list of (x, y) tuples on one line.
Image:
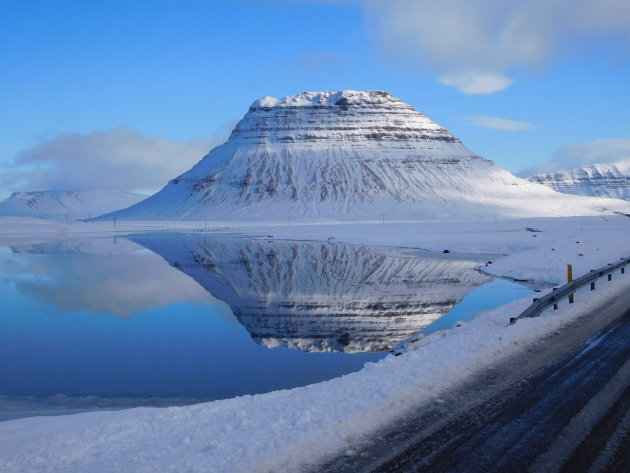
[(171, 319)]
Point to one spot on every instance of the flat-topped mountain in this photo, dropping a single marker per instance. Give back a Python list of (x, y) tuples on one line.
[(347, 155), (598, 180)]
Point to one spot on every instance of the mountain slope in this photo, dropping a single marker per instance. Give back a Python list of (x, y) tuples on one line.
[(347, 156), (598, 180), (65, 204)]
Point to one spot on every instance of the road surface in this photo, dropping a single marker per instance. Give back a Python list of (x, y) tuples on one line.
[(569, 415)]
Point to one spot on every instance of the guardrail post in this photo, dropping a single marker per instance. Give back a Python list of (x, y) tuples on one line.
[(593, 286), (570, 279)]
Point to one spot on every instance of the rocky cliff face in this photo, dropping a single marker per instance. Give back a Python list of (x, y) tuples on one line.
[(598, 180), (67, 205), (321, 296), (347, 156)]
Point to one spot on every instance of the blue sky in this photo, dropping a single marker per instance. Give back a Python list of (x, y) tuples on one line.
[(77, 76)]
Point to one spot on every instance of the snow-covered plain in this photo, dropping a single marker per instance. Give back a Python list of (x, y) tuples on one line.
[(535, 249), (290, 430)]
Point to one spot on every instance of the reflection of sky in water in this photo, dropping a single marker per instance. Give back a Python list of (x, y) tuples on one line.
[(120, 279), (493, 294), (182, 349), (108, 318), (57, 334)]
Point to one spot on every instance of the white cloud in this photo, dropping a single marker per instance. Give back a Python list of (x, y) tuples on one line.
[(119, 158), (471, 44), (610, 151), (496, 123), (475, 83)]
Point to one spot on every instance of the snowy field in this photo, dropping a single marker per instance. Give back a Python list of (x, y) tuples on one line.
[(536, 249), (292, 429)]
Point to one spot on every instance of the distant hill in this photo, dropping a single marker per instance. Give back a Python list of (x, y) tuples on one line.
[(598, 180), (66, 204)]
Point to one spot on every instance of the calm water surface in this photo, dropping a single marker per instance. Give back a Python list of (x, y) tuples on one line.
[(167, 319)]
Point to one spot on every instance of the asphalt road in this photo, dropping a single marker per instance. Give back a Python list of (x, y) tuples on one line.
[(570, 415)]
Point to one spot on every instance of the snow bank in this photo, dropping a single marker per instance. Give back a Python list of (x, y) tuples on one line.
[(283, 430)]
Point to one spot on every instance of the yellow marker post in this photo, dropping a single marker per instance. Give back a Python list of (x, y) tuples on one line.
[(570, 279)]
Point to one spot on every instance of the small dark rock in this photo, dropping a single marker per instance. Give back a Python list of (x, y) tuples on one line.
[(344, 103), (446, 251)]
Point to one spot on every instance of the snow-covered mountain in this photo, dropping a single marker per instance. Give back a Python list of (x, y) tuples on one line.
[(65, 204), (598, 180), (317, 296), (348, 155)]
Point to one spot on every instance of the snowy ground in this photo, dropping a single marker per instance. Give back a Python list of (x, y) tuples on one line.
[(287, 430), (542, 255)]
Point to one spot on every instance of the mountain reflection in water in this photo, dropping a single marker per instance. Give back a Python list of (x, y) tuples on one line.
[(319, 296)]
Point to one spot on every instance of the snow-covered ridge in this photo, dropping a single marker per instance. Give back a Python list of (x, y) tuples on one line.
[(67, 204), (318, 296), (349, 155), (343, 97), (598, 180)]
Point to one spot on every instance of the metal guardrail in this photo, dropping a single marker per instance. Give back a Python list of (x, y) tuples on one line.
[(545, 302)]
